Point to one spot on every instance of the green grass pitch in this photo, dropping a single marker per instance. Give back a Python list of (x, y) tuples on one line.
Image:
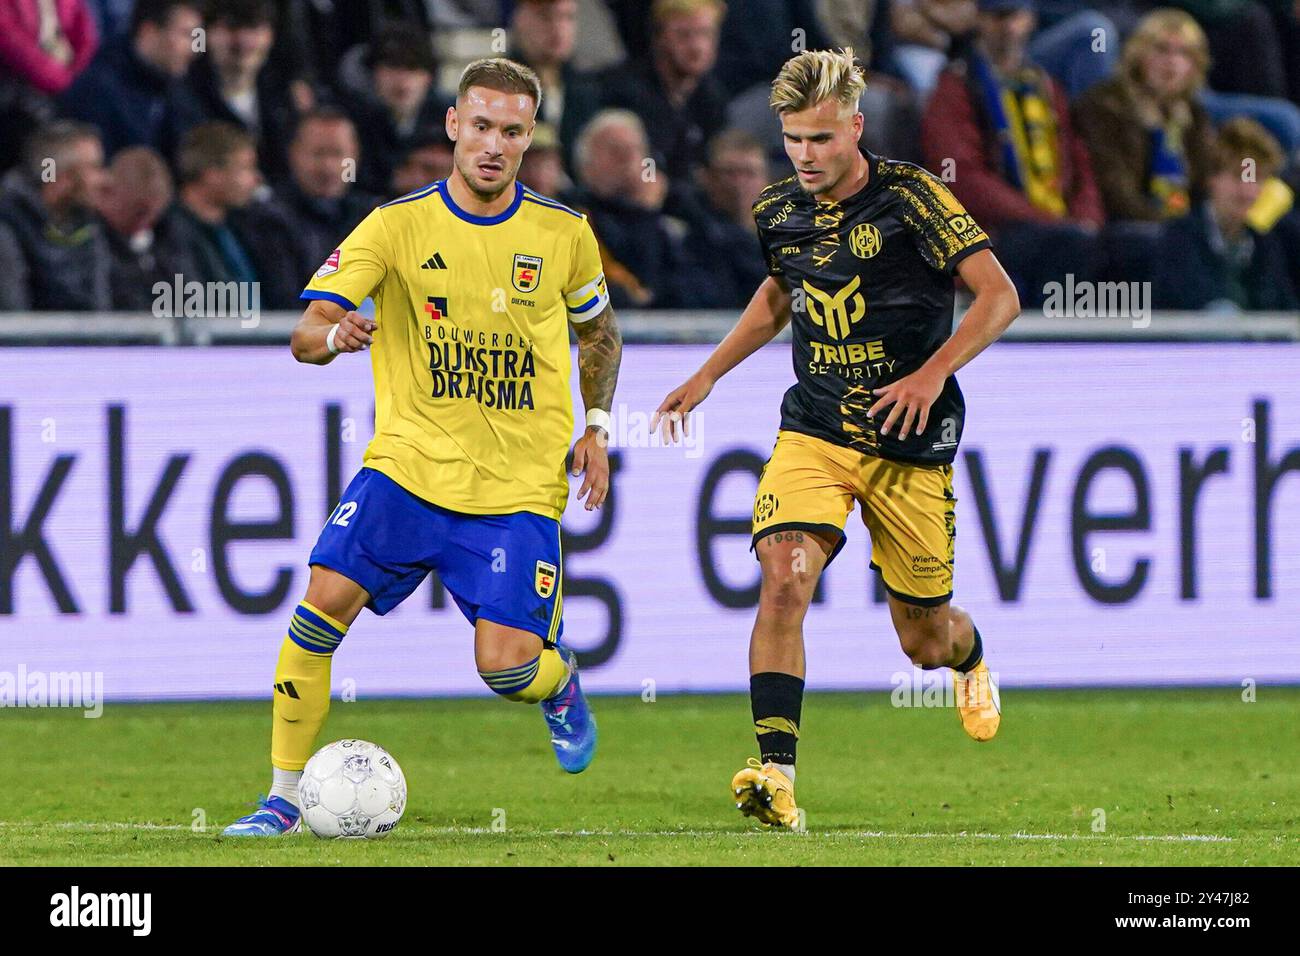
[(1184, 777)]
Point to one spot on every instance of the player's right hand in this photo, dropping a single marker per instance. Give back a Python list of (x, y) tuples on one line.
[(354, 332), (671, 417)]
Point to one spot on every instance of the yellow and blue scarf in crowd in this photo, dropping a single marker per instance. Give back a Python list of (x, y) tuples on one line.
[(1168, 183), (1020, 109)]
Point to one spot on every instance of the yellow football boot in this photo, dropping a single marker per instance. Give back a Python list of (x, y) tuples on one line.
[(978, 704), (763, 792)]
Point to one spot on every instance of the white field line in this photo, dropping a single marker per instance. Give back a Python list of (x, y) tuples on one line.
[(94, 826), (89, 825)]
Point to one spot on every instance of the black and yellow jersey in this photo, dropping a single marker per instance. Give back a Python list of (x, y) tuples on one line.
[(871, 284)]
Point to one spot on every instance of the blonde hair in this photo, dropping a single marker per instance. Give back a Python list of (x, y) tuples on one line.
[(661, 10), (815, 76), (504, 76), (1153, 28)]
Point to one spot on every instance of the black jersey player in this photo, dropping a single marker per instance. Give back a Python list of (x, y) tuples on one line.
[(861, 253)]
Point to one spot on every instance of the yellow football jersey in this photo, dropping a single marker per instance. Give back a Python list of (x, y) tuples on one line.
[(473, 408)]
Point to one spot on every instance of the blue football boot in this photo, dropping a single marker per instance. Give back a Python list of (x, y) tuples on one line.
[(572, 725), (274, 816)]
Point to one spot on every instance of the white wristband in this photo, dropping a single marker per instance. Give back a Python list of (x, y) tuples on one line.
[(598, 417), (329, 339)]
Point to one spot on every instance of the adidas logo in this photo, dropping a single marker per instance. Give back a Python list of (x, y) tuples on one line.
[(434, 262)]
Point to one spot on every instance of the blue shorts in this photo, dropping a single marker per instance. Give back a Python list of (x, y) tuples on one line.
[(503, 568)]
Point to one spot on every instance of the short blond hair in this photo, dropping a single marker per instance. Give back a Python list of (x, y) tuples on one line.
[(815, 76), (661, 10), (504, 76)]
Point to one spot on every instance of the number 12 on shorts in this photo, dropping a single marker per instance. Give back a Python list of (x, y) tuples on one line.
[(342, 514)]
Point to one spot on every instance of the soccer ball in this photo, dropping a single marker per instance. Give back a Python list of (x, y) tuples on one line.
[(352, 788)]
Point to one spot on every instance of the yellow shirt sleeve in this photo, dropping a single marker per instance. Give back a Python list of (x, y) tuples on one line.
[(944, 232), (585, 294), (356, 267)]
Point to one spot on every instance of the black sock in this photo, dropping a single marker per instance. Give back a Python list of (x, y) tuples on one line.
[(976, 653), (776, 700)]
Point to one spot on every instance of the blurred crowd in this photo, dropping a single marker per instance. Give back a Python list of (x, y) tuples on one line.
[(240, 140)]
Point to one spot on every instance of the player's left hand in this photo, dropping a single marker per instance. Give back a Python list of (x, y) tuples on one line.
[(912, 395), (592, 462)]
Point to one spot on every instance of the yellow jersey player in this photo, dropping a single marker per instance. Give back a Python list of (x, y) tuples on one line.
[(861, 252), (476, 280)]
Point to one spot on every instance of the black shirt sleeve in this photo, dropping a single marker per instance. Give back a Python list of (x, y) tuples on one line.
[(766, 242)]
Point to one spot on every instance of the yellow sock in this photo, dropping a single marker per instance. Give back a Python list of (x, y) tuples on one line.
[(539, 679), (302, 686)]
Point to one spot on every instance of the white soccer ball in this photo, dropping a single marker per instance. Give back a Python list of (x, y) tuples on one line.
[(352, 788)]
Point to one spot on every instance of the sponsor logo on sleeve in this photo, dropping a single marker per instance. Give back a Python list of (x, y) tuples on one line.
[(966, 228), (329, 266)]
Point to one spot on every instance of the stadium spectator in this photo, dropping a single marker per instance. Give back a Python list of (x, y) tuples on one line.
[(756, 37), (642, 250), (723, 232), (309, 36), (599, 45), (320, 202), (217, 176), (112, 17), (428, 158), (998, 127), (543, 165), (925, 32), (929, 32), (997, 130), (133, 90), (313, 39), (1248, 70), (543, 34), (136, 195), (403, 106), (671, 89), (1149, 139), (861, 24), (43, 46), (1215, 258), (1079, 48), (234, 84), (53, 246), (1245, 55), (455, 14)]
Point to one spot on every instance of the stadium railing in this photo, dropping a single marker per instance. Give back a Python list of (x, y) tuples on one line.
[(273, 328)]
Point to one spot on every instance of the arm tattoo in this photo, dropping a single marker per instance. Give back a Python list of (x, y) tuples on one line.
[(600, 350)]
